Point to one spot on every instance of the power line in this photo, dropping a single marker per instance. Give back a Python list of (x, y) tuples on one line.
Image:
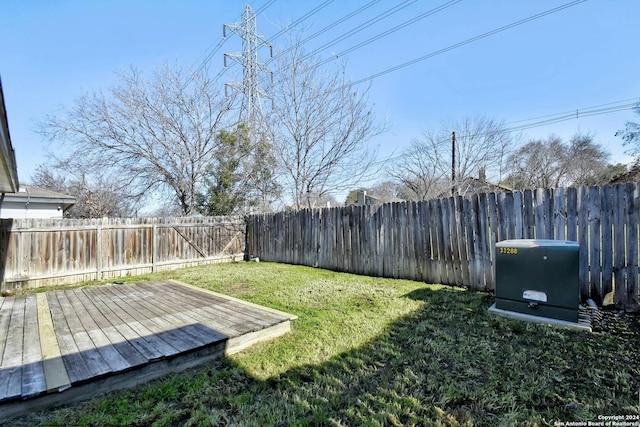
[(465, 42), (327, 28), (564, 116), (302, 18), (362, 26), (394, 29), (574, 111), (340, 21), (365, 25), (264, 7)]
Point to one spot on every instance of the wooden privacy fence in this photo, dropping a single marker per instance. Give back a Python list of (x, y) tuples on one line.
[(452, 240), (37, 252)]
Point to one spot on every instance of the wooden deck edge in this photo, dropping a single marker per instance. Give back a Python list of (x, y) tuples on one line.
[(118, 381), (55, 373), (234, 345), (219, 295)]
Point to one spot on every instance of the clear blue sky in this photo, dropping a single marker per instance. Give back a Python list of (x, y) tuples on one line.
[(53, 51)]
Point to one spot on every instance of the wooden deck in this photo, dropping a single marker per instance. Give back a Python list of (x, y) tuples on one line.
[(70, 345)]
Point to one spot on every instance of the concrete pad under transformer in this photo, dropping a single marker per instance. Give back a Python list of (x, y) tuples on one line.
[(580, 326)]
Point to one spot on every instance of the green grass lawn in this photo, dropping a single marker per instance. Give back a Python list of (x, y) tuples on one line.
[(380, 352)]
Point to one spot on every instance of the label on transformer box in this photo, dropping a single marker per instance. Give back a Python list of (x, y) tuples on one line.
[(535, 296)]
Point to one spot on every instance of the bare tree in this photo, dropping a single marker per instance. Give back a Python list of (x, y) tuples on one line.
[(96, 196), (538, 164), (418, 176), (631, 136), (586, 161), (385, 191), (553, 163), (424, 170), (320, 128), (153, 134)]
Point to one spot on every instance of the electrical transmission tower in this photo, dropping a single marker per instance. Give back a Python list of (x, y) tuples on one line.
[(247, 30)]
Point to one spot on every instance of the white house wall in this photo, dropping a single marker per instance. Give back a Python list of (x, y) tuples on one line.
[(32, 210)]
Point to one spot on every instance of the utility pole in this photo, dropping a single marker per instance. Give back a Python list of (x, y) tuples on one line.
[(247, 30), (453, 163)]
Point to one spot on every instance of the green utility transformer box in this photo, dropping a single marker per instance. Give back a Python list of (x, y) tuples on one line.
[(538, 278)]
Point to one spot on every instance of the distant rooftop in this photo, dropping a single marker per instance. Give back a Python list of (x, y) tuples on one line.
[(40, 195)]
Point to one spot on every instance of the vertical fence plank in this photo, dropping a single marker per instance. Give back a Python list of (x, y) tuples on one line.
[(462, 241), (548, 213), (413, 237), (509, 212), (607, 240), (595, 280), (441, 244), (431, 274), (485, 239), (560, 214), (497, 231), (518, 215), (387, 241), (583, 238), (435, 241), (619, 284), (471, 234), (538, 211), (382, 238), (502, 215), (372, 224), (455, 250), (529, 216), (421, 258), (362, 239), (631, 231), (572, 214), (413, 241), (323, 261), (403, 246), (479, 229)]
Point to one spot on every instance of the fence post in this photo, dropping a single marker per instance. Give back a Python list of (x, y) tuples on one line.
[(154, 246), (99, 250)]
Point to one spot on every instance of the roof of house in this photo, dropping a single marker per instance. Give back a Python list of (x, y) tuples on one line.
[(474, 185), (40, 195), (8, 168), (633, 175), (364, 198)]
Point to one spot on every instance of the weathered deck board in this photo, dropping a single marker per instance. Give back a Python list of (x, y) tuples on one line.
[(104, 346), (33, 380), (236, 312), (175, 315), (11, 367), (141, 325), (148, 346), (73, 344), (207, 309), (74, 363), (6, 304), (159, 322), (96, 363), (56, 377)]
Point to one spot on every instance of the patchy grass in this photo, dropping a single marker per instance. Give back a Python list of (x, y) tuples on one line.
[(369, 351)]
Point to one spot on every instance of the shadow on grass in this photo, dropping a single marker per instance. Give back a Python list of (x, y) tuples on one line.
[(448, 363)]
